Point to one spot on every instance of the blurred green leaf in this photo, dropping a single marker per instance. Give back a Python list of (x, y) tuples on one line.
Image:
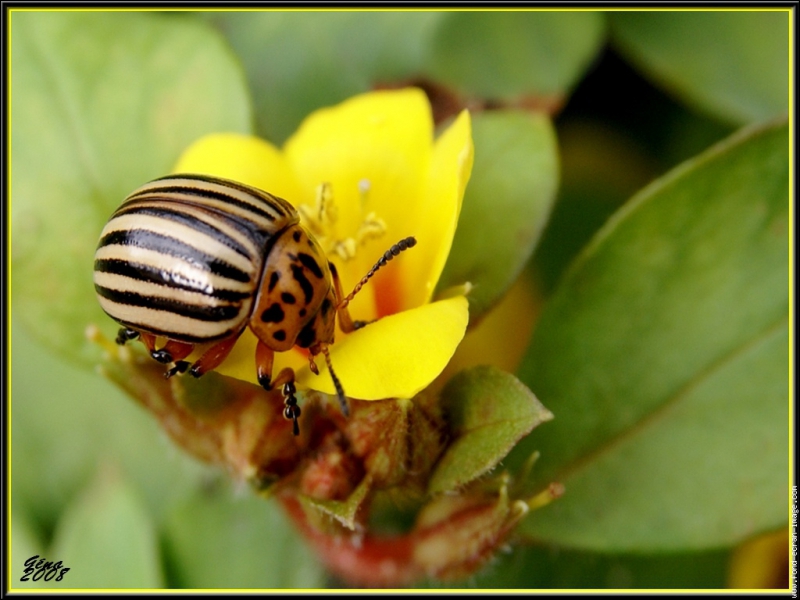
[(511, 53), (220, 539), (25, 544), (102, 102), (488, 411), (664, 353), (732, 64), (600, 169), (65, 420), (297, 62), (107, 539), (536, 567), (506, 205)]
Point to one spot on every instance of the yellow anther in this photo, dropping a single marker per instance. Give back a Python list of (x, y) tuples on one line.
[(345, 249), (321, 219), (371, 228)]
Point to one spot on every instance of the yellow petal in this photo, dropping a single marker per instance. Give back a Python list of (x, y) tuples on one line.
[(384, 138), (436, 212), (397, 356), (242, 158)]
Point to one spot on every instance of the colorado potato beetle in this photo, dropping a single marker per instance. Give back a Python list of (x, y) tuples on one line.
[(196, 259)]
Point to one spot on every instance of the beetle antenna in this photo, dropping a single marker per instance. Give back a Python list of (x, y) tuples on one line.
[(403, 244), (336, 383)]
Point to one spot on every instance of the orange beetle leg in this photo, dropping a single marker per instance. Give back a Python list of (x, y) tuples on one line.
[(346, 322), (285, 381), (212, 357), (149, 341), (172, 351)]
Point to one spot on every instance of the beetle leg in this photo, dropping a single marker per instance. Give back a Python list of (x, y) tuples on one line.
[(172, 351), (149, 341), (179, 367), (125, 334), (291, 410), (264, 359), (323, 348), (214, 356), (346, 322), (285, 380)]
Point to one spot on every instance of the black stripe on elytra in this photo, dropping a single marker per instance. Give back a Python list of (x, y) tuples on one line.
[(279, 204), (283, 206), (153, 274), (305, 284), (143, 238), (193, 311), (213, 194), (246, 227), (310, 264), (190, 221)]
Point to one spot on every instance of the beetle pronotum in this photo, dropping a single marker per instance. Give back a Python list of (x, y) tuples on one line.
[(197, 259)]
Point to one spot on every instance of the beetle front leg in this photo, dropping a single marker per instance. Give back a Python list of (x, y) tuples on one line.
[(346, 322), (285, 381)]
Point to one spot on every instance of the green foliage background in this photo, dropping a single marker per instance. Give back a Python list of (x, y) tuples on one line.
[(652, 210)]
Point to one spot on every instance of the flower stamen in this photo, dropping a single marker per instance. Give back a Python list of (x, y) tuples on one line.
[(322, 216)]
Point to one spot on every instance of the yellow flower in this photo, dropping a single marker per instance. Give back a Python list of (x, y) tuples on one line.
[(385, 178)]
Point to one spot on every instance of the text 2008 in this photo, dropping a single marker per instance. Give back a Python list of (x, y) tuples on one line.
[(37, 568)]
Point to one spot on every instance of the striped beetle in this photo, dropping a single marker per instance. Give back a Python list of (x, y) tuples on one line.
[(196, 259)]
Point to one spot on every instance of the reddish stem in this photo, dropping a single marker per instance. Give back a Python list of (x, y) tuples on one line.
[(363, 560)]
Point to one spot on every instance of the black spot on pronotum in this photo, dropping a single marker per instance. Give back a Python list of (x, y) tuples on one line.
[(310, 264), (279, 335), (302, 312), (274, 314), (288, 298), (305, 284), (296, 236), (326, 306), (273, 280)]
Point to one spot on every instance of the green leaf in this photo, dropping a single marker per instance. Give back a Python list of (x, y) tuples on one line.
[(731, 64), (102, 102), (600, 169), (506, 205), (488, 411), (334, 55), (540, 567), (218, 538), (25, 544), (64, 418), (507, 54), (664, 354), (106, 539)]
